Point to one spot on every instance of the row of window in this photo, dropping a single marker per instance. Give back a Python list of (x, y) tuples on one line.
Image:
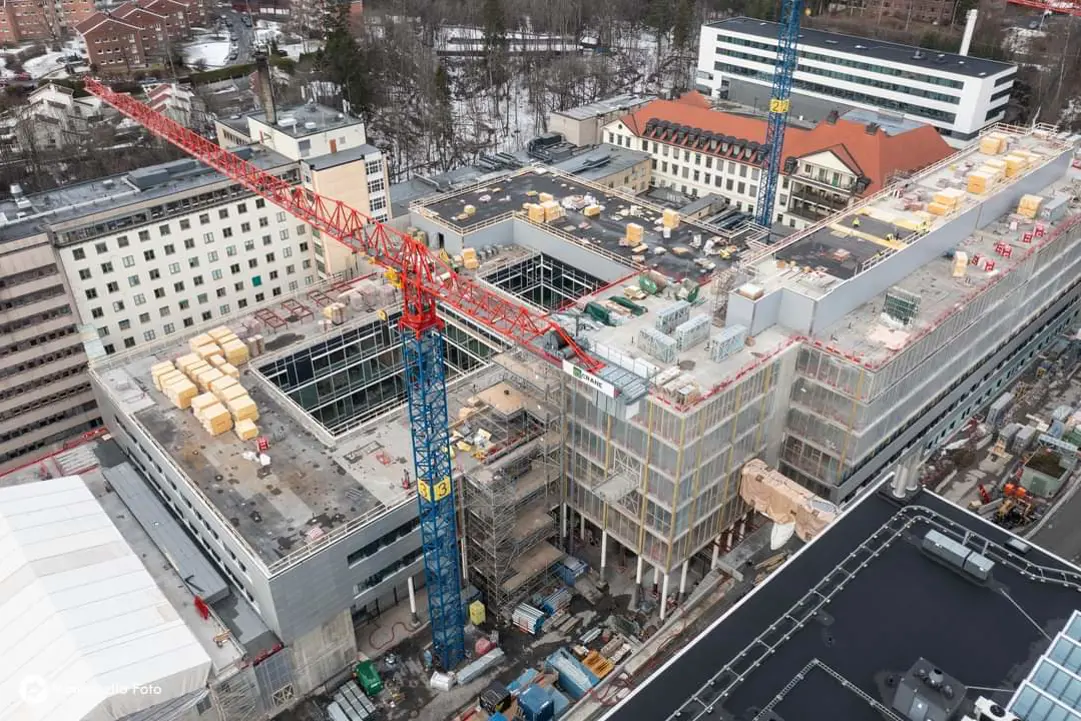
[(856, 64), (850, 78), (35, 319), (383, 541), (54, 418), (20, 301), (29, 446), (44, 401), (78, 369), (834, 92), (26, 276), (37, 340)]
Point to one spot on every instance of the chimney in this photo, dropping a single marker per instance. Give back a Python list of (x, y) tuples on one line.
[(265, 88), (872, 128), (970, 28)]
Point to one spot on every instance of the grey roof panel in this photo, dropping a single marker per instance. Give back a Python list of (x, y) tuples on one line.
[(190, 563)]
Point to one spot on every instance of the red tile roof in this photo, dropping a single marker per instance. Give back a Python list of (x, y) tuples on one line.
[(695, 99), (98, 19), (876, 156)]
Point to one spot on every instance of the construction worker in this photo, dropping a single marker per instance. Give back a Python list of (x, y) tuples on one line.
[(855, 222)]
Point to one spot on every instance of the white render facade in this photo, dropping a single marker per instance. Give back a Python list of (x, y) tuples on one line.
[(224, 252), (958, 95)]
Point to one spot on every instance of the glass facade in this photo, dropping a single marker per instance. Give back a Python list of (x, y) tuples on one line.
[(1052, 691)]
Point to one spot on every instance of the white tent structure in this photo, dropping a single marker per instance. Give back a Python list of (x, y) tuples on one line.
[(85, 634)]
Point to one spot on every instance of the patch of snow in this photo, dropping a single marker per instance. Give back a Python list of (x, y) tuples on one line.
[(211, 49), (1019, 40), (51, 64)]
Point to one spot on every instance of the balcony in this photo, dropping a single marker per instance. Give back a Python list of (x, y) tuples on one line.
[(806, 211), (824, 181)]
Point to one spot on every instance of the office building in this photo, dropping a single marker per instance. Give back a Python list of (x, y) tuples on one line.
[(583, 125), (957, 94)]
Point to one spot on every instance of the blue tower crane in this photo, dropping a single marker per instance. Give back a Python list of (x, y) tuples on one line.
[(787, 42)]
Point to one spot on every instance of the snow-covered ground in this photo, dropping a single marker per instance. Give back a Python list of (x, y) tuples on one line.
[(211, 49), (1020, 40), (50, 65), (269, 31)]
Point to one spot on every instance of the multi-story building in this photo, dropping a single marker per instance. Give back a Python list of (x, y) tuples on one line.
[(583, 125), (54, 117), (136, 35), (46, 396), (113, 45), (26, 20), (700, 151), (958, 94)]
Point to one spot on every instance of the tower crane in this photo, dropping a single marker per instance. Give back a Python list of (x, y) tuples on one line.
[(779, 102), (426, 282)]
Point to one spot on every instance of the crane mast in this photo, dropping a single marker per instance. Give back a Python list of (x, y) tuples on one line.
[(779, 102), (426, 282)]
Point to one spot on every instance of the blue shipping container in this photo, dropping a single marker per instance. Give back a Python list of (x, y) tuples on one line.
[(536, 704), (560, 704)]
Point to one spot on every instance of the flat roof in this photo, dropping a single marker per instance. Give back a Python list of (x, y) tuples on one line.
[(602, 161), (314, 480), (605, 106), (872, 48), (70, 202), (861, 331), (330, 160), (323, 117), (603, 232), (838, 252), (850, 625)]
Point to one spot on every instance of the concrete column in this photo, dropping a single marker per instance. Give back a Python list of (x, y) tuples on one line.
[(656, 578), (604, 552), (413, 603), (582, 530), (912, 474), (716, 555), (664, 597), (897, 483), (683, 580), (563, 523), (638, 572)]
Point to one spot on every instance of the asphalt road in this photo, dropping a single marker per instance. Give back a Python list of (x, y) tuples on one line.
[(242, 34)]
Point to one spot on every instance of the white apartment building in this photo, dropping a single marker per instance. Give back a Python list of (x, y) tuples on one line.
[(957, 94), (698, 152)]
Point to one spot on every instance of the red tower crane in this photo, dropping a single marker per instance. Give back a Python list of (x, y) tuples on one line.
[(427, 282)]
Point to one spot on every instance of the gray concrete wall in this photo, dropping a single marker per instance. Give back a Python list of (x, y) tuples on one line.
[(803, 106), (853, 293), (596, 265), (307, 595)]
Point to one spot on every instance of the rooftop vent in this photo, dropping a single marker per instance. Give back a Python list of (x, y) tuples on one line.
[(310, 125), (861, 47), (108, 182), (16, 190), (918, 55), (831, 42)]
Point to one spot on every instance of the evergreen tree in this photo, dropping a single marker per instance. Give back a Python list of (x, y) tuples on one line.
[(345, 63), (683, 24)]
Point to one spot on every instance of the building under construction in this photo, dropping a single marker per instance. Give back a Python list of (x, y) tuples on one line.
[(840, 354)]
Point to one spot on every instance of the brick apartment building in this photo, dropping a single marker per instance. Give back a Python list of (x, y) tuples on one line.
[(138, 34), (25, 20)]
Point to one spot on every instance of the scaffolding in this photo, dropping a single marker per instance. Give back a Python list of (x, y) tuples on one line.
[(511, 489)]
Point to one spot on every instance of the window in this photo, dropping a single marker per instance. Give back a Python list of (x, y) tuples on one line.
[(290, 269), (193, 262), (103, 331), (208, 238), (273, 275), (259, 297), (112, 286), (118, 306), (242, 207), (260, 203), (220, 292), (204, 218), (207, 315), (122, 241), (224, 309), (128, 261), (281, 216), (144, 235), (144, 317), (78, 254), (267, 240), (189, 322), (185, 224), (212, 256), (287, 252), (242, 303), (139, 299), (84, 274), (92, 293), (245, 227), (292, 285), (230, 250), (106, 267), (270, 257), (250, 244), (202, 298), (178, 287), (283, 234), (163, 230), (159, 292), (225, 233), (253, 262), (300, 230), (102, 248), (215, 274), (189, 243), (164, 311), (264, 222), (375, 185), (184, 304), (377, 205), (148, 335), (129, 342), (304, 247), (239, 286), (133, 280), (234, 268), (169, 328), (96, 313), (174, 268), (169, 250)]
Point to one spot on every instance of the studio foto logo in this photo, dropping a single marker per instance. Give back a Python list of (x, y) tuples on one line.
[(35, 690)]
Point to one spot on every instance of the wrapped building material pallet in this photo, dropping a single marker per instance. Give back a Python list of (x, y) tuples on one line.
[(159, 370), (203, 401), (978, 182), (1015, 164), (208, 350), (592, 211), (938, 209), (233, 392), (216, 361), (992, 144), (181, 393), (246, 430), (236, 353), (552, 211), (243, 408), (949, 197), (635, 233), (670, 218), (219, 385), (230, 370), (1029, 205), (185, 362), (216, 420), (220, 332), (535, 212), (168, 379), (208, 376), (545, 198), (199, 341)]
